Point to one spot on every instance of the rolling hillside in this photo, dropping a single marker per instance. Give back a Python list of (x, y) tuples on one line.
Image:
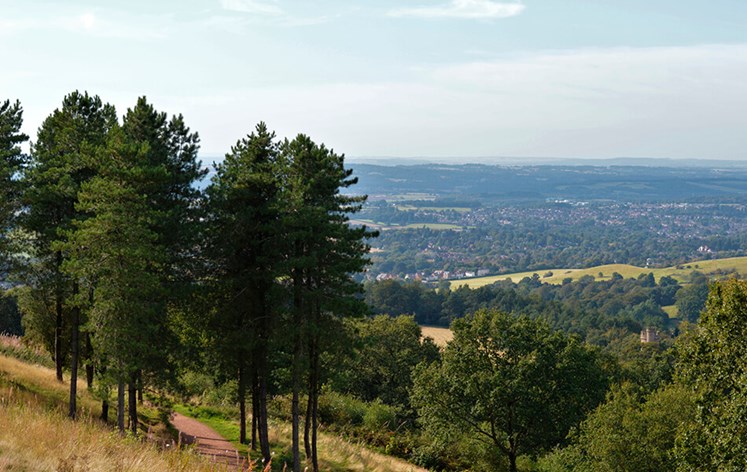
[(714, 268)]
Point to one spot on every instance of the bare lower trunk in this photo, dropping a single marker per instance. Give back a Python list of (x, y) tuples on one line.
[(314, 429), (105, 411), (264, 437), (242, 400), (296, 449), (140, 386), (121, 406), (255, 408), (314, 398), (307, 427), (296, 372), (75, 344), (88, 356), (89, 362), (132, 400), (58, 336)]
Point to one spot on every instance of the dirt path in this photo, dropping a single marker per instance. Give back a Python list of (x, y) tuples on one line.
[(207, 441)]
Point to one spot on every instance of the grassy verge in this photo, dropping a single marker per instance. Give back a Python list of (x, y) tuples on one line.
[(335, 453)]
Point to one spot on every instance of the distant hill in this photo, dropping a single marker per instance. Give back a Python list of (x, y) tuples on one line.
[(552, 182)]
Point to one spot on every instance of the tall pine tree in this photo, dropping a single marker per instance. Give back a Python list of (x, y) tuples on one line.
[(62, 159), (323, 252), (244, 245)]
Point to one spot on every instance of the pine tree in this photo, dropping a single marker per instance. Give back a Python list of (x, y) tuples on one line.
[(243, 247), (323, 253), (11, 162), (62, 159), (117, 249)]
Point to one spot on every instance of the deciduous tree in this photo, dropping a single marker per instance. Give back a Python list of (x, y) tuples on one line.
[(510, 381)]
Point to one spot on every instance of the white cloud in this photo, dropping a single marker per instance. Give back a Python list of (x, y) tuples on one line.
[(252, 6), (467, 9), (88, 21)]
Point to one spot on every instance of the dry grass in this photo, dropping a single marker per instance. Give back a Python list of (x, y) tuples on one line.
[(36, 435), (339, 455), (39, 382), (736, 265), (33, 439), (441, 336)]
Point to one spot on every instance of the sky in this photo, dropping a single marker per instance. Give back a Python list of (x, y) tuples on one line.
[(461, 79)]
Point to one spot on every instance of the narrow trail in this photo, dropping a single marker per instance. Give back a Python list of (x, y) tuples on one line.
[(208, 442)]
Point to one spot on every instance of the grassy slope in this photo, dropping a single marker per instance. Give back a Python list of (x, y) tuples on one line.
[(36, 435), (737, 264)]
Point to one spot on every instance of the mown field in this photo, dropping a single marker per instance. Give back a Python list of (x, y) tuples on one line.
[(714, 268), (441, 336)]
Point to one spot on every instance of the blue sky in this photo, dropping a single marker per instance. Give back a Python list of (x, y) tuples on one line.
[(432, 78)]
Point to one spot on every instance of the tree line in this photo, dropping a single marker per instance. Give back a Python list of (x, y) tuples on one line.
[(588, 307), (128, 271)]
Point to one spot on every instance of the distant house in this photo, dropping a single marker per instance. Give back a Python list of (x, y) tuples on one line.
[(649, 335)]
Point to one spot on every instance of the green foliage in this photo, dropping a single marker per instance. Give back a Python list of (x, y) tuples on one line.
[(691, 299), (712, 365), (387, 352), (510, 381), (648, 366), (341, 410), (629, 432), (586, 307), (10, 315)]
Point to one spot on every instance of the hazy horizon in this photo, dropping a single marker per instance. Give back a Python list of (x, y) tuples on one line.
[(440, 78)]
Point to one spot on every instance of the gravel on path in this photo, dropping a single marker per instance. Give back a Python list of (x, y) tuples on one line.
[(207, 441)]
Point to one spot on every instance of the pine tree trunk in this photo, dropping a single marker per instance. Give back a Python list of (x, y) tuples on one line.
[(104, 411), (295, 409), (264, 437), (296, 370), (262, 368), (314, 395), (255, 407), (132, 399), (242, 400), (307, 425), (314, 429), (121, 406), (89, 349), (58, 318), (89, 362), (140, 386), (75, 344)]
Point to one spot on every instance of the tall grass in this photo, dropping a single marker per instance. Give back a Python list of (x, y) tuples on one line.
[(36, 435), (14, 346), (32, 438)]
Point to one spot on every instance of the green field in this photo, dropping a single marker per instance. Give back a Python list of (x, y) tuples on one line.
[(432, 208), (436, 226), (714, 268)]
